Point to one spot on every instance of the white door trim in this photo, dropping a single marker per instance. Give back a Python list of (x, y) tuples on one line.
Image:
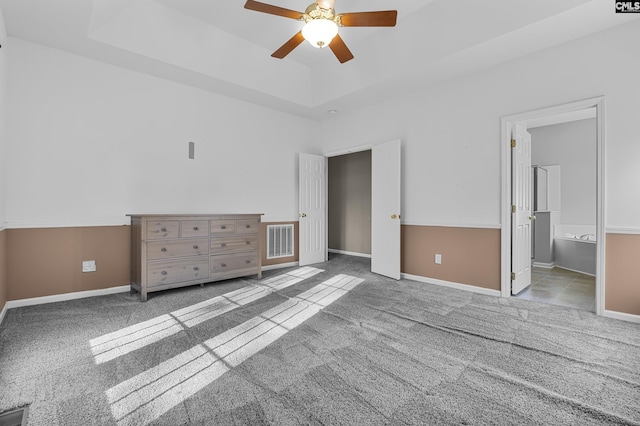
[(505, 243), (307, 213), (343, 151)]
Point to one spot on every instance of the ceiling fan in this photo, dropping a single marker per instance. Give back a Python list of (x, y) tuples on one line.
[(321, 25)]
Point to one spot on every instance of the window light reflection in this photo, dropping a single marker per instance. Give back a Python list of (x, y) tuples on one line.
[(113, 345), (146, 396)]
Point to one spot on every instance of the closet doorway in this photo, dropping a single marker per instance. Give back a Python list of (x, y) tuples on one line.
[(364, 204)]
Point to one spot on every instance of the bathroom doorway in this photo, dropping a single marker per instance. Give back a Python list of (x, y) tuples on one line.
[(563, 254), (573, 283)]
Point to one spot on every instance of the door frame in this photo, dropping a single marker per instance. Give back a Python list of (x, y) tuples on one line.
[(507, 123), (351, 150)]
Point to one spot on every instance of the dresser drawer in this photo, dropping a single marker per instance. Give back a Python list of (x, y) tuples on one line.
[(163, 229), (223, 227), (228, 264), (177, 248), (246, 226), (224, 245), (175, 271), (194, 228)]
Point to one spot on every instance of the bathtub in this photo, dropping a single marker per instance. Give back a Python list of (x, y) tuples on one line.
[(574, 248)]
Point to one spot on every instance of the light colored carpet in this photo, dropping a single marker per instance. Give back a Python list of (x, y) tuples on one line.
[(379, 352)]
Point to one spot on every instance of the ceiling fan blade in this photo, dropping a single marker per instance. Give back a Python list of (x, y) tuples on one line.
[(340, 49), (272, 10), (382, 18), (286, 48)]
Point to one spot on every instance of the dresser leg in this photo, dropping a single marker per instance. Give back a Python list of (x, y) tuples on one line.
[(143, 296)]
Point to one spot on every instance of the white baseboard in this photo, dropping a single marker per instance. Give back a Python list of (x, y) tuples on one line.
[(465, 287), (544, 265), (279, 266), (622, 316), (575, 270), (66, 296), (3, 313), (349, 253)]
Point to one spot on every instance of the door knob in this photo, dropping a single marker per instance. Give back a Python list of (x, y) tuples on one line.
[(303, 215), (532, 217), (394, 216)]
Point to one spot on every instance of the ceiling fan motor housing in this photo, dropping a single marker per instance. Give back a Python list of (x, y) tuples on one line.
[(316, 12)]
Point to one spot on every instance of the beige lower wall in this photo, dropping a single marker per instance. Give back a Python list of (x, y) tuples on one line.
[(263, 244), (469, 255), (3, 269), (48, 261), (622, 281)]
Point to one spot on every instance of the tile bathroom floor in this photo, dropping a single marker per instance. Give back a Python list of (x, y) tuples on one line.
[(562, 287)]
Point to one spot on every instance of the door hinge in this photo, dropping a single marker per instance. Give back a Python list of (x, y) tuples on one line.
[(513, 276), (513, 208), (513, 143)]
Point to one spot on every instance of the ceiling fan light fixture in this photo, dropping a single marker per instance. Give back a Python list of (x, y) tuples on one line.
[(319, 32)]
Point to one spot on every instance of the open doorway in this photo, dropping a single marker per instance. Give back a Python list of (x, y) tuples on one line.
[(590, 233), (384, 204), (563, 253), (349, 205)]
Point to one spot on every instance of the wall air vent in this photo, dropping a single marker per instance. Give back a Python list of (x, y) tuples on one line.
[(17, 417), (279, 241)]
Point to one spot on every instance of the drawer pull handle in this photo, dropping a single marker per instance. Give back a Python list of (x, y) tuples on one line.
[(195, 228), (223, 245), (248, 261), (248, 242), (163, 229), (223, 227), (248, 226), (224, 265), (163, 249), (195, 247), (195, 268), (164, 272)]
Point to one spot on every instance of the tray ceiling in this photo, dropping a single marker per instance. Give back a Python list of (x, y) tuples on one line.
[(221, 47)]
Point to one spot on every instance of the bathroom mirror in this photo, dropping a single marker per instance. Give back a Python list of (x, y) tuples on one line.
[(540, 189)]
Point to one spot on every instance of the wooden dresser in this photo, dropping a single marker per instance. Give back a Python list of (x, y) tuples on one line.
[(169, 251)]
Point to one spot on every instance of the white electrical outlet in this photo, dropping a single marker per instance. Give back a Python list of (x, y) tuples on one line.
[(438, 259), (88, 266)]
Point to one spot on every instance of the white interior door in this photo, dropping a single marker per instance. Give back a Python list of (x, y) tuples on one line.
[(385, 209), (521, 201), (312, 209)]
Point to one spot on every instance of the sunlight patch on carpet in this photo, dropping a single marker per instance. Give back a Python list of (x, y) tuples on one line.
[(113, 345), (146, 396)]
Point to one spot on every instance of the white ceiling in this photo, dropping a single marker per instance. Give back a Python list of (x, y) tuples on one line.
[(222, 47)]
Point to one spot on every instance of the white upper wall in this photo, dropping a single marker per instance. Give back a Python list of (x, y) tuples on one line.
[(3, 119), (91, 142), (572, 146), (451, 132)]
